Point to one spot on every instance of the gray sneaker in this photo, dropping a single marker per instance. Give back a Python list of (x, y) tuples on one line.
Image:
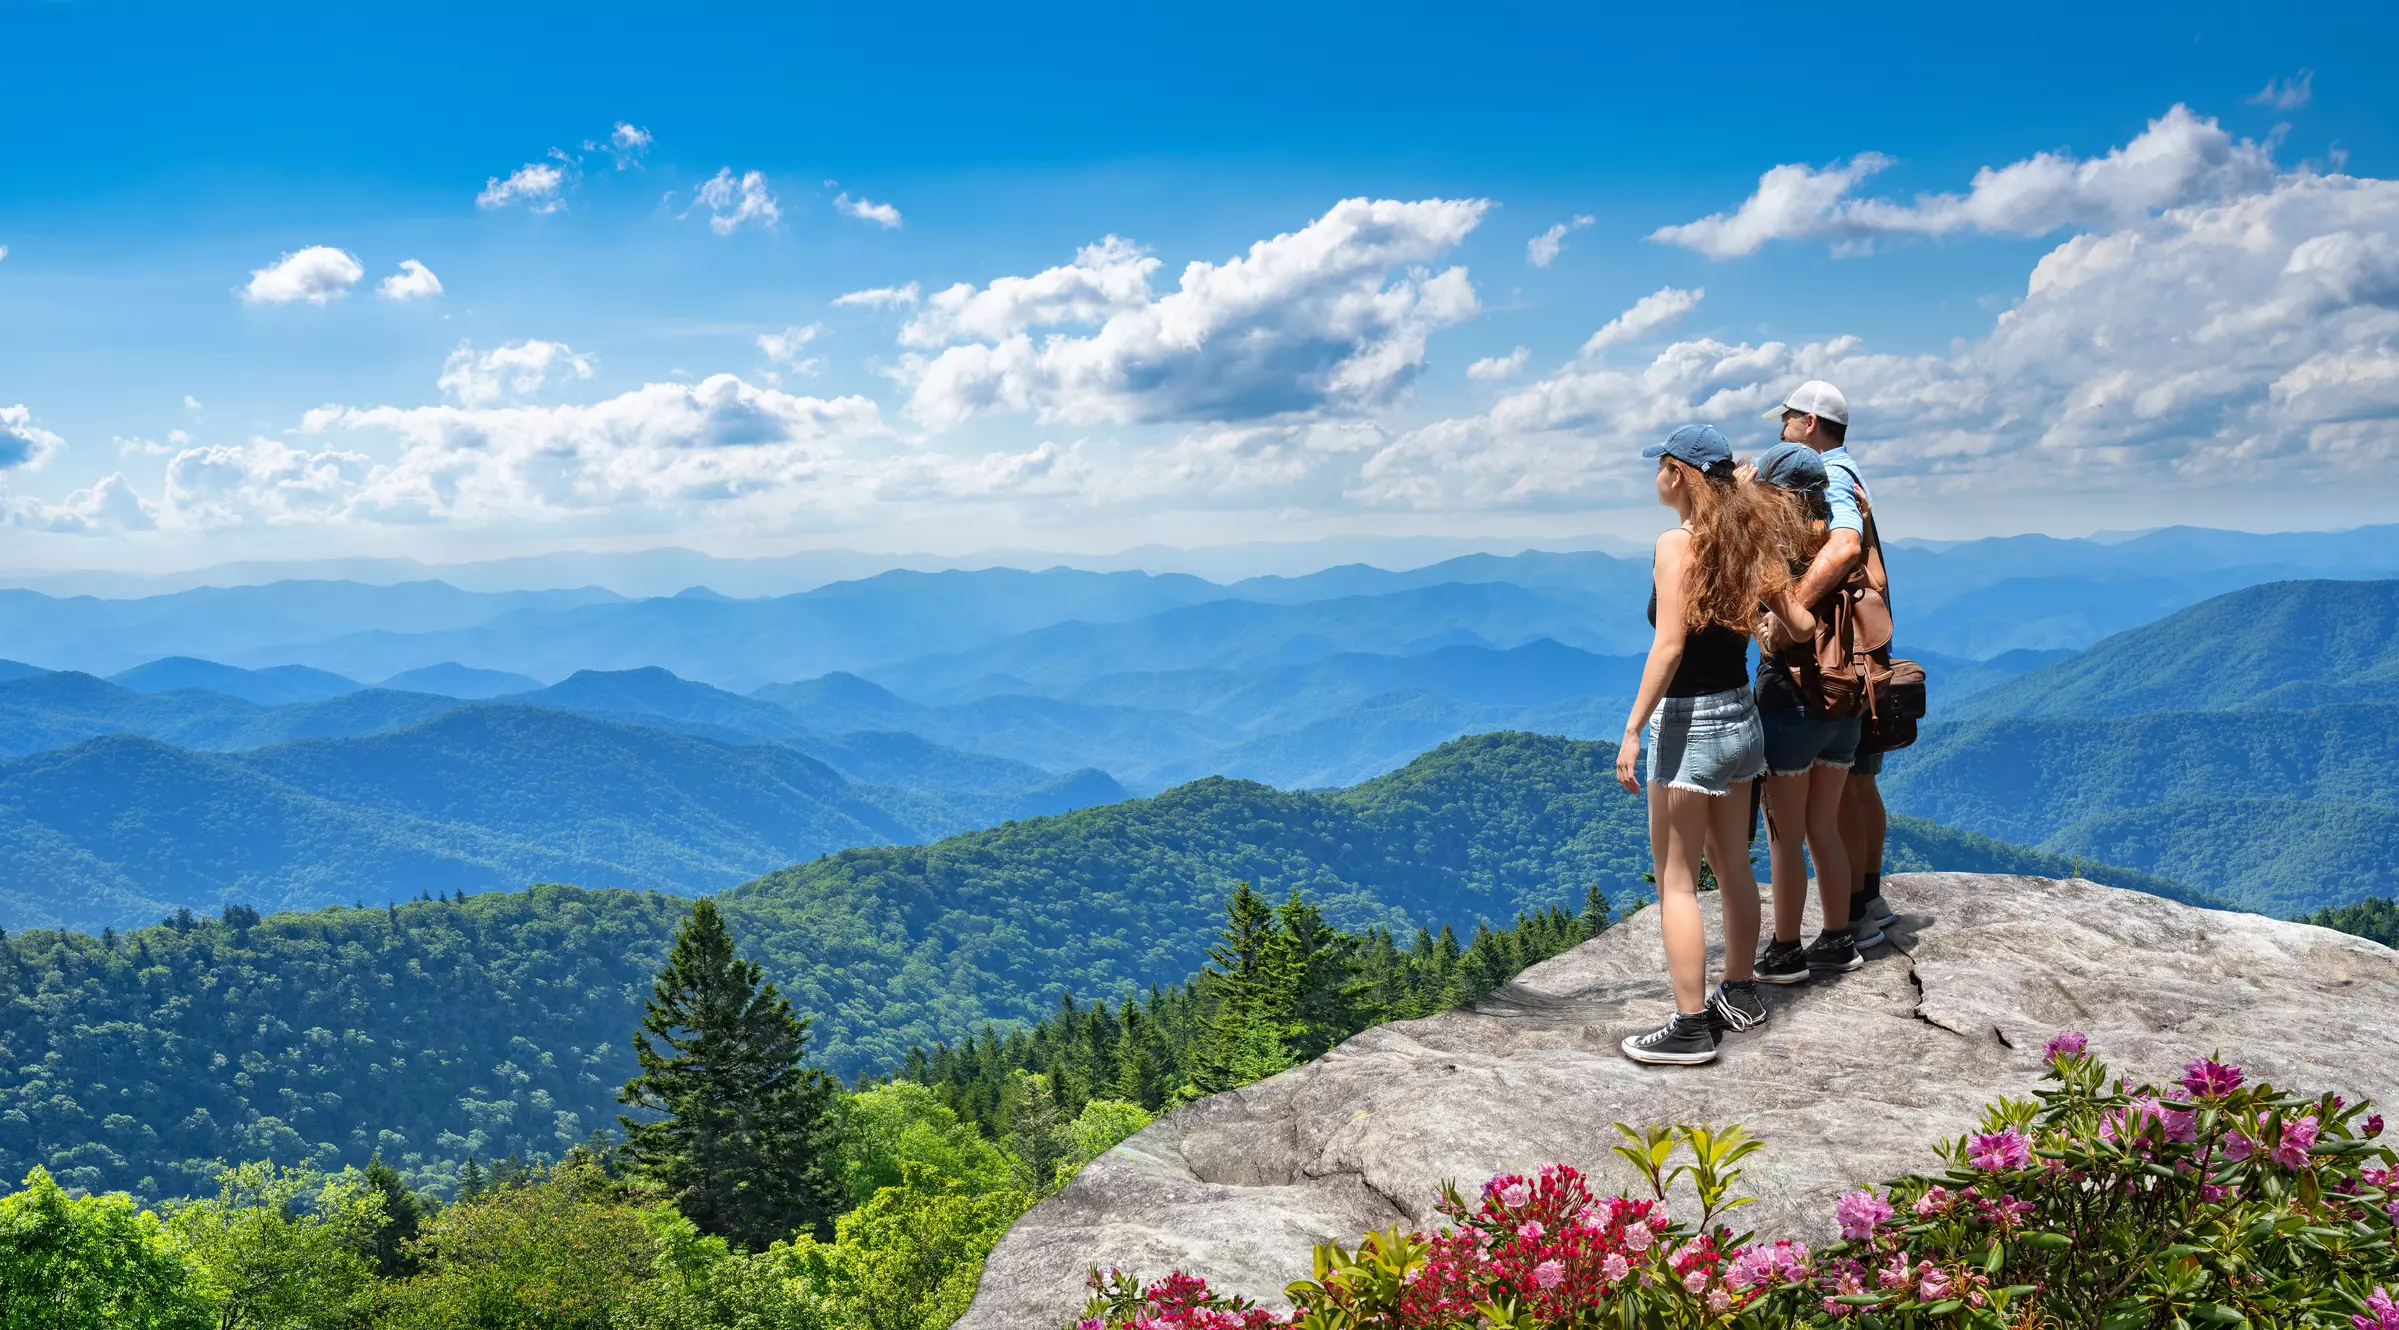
[(1864, 929), (1734, 1007), (1870, 907)]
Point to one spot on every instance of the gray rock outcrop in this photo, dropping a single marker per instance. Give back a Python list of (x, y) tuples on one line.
[(1850, 1082)]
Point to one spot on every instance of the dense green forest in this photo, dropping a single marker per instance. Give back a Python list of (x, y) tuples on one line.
[(2377, 919), (496, 1023), (2275, 810)]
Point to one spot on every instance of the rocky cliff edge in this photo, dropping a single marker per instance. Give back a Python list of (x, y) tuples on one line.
[(1849, 1082)]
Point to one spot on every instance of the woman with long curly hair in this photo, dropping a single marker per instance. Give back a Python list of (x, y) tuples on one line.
[(1713, 569), (1807, 756)]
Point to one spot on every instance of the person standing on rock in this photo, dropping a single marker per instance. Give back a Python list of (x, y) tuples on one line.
[(1712, 570), (1817, 415), (1808, 757)]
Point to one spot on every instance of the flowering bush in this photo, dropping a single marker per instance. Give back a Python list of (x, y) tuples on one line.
[(2212, 1201)]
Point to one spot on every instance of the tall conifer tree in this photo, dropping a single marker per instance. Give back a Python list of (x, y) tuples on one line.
[(744, 1125)]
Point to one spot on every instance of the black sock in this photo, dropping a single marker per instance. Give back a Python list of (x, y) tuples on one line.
[(1742, 984), (1874, 886)]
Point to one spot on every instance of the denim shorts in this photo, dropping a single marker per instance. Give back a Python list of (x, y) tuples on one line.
[(1868, 764), (1708, 744), (1795, 743)]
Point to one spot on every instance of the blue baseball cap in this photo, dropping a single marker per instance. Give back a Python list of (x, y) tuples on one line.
[(1792, 466), (1700, 445)]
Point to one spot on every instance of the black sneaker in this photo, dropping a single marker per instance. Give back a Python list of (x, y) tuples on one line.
[(1783, 963), (1734, 1007), (1833, 953), (1864, 929), (1683, 1041)]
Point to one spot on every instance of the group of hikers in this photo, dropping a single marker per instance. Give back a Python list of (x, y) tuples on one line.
[(1780, 549)]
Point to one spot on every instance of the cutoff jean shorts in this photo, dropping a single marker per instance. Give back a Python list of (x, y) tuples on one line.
[(1794, 743), (1708, 743)]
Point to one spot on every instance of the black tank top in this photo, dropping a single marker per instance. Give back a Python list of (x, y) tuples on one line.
[(1715, 659)]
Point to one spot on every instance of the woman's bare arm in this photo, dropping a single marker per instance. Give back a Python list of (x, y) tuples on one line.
[(1667, 572)]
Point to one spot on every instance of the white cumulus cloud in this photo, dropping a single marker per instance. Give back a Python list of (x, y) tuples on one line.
[(736, 201), (881, 214), (539, 186), (2251, 340), (625, 145), (316, 274), (880, 297), (1335, 314), (2179, 160), (414, 281), (1542, 250), (1656, 312), (104, 507), (22, 443), (1492, 369), (516, 369), (788, 348)]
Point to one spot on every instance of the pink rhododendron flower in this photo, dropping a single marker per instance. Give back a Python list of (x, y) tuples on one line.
[(1615, 1268), (1998, 1150), (2238, 1147), (1695, 1281), (2298, 1137), (1835, 1307), (1637, 1237), (1935, 1285), (2381, 1312), (2373, 1127), (1550, 1274), (1515, 1194), (1719, 1301), (1897, 1274), (1933, 1201), (1860, 1213), (1091, 1323), (1530, 1230), (2210, 1079), (2066, 1044)]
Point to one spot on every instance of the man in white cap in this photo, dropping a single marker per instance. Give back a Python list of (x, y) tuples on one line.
[(1816, 414)]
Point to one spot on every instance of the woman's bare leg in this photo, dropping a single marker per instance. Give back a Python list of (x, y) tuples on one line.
[(1787, 807), (1678, 828), (1826, 785), (1736, 883)]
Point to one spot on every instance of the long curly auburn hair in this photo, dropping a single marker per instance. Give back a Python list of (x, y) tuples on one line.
[(1741, 548)]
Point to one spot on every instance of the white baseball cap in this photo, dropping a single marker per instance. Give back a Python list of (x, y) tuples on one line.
[(1815, 398)]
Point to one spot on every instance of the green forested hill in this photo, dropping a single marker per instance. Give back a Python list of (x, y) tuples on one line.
[(476, 798), (2283, 645), (143, 1055), (2277, 810)]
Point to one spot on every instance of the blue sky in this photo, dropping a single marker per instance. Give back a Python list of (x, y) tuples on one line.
[(2198, 328)]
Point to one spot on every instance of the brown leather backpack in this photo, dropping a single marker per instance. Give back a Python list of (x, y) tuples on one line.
[(1847, 670)]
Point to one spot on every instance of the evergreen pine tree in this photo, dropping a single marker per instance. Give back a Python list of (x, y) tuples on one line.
[(1595, 912), (1036, 1135), (744, 1126), (1241, 983), (403, 1214), (1318, 996), (470, 1179)]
